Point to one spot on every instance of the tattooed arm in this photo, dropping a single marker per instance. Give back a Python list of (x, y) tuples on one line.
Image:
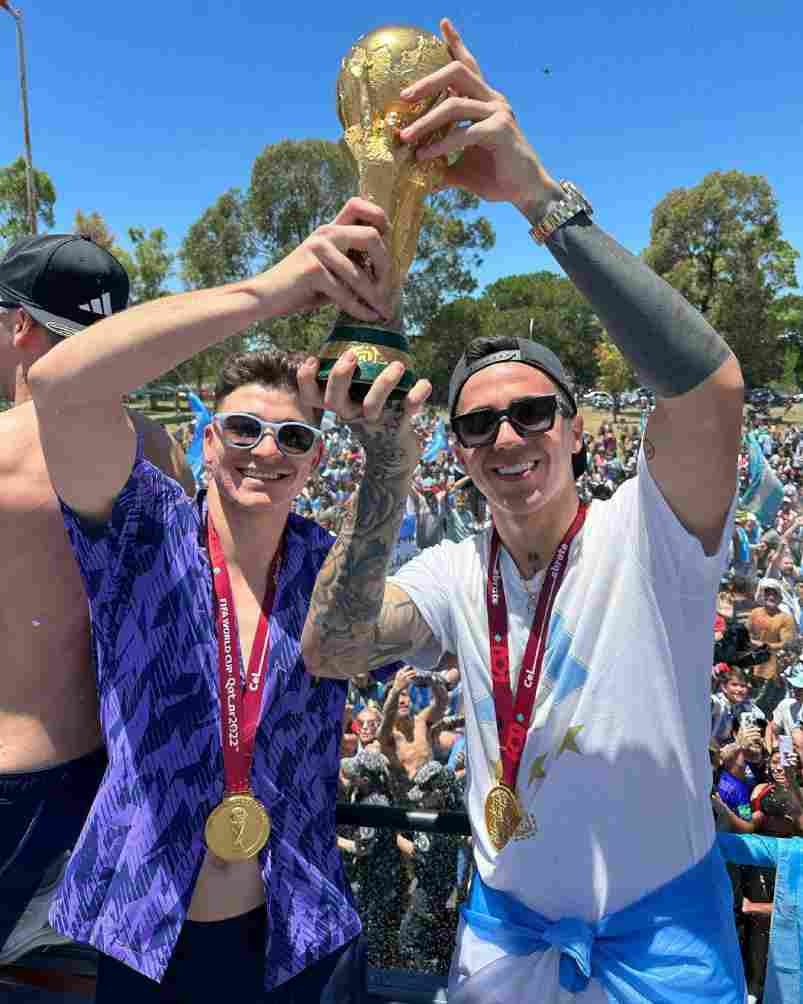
[(356, 621)]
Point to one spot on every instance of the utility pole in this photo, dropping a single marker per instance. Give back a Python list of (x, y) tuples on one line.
[(30, 190)]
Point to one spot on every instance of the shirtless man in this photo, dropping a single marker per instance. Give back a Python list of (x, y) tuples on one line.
[(51, 754), (405, 737)]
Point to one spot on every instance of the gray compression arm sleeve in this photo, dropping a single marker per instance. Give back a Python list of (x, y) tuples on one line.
[(671, 345)]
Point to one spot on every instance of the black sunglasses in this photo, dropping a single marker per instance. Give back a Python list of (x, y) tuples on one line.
[(244, 432), (529, 416)]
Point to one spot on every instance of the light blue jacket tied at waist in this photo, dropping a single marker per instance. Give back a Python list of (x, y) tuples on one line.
[(676, 945), (783, 983)]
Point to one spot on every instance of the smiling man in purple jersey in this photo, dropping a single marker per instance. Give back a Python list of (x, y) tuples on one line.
[(209, 864)]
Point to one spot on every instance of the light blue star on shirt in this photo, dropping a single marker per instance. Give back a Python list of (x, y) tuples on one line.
[(563, 673)]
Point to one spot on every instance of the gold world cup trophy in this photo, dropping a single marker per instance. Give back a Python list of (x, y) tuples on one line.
[(377, 68)]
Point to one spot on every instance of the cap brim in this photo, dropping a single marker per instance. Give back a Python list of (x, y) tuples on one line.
[(61, 326)]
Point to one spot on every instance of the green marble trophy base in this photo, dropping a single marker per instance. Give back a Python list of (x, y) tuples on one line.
[(375, 349)]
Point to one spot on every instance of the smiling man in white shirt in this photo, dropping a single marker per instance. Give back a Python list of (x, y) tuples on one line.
[(583, 633)]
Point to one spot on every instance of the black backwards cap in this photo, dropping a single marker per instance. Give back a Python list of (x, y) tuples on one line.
[(532, 354), (64, 281)]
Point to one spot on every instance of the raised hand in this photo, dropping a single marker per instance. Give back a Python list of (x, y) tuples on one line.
[(320, 271), (372, 415), (497, 162)]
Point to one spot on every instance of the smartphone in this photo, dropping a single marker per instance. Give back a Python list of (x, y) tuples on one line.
[(747, 719), (787, 750)]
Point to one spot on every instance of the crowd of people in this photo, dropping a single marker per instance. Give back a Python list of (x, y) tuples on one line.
[(757, 683)]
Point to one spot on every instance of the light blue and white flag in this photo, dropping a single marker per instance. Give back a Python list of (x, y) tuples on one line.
[(764, 492), (438, 443), (406, 546), (195, 451)]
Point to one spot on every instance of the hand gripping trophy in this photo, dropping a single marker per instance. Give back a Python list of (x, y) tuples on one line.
[(377, 68)]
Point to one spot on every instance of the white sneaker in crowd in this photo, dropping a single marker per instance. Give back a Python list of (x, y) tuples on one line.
[(32, 929)]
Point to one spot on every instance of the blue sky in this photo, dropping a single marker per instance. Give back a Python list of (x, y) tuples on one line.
[(147, 112)]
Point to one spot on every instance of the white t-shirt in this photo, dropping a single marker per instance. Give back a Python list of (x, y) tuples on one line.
[(615, 775), (787, 716)]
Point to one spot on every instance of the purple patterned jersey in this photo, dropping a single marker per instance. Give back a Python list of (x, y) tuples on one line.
[(129, 883)]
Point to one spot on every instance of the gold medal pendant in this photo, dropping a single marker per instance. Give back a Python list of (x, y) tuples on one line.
[(502, 814), (238, 828)]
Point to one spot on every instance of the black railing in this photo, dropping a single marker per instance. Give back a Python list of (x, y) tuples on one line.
[(394, 818), (64, 974)]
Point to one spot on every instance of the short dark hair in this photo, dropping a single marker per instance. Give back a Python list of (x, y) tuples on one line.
[(486, 345), (735, 674), (268, 367)]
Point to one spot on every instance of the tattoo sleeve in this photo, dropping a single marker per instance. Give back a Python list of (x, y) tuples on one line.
[(356, 623), (671, 345)]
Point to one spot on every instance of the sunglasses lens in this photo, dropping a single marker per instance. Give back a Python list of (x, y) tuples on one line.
[(241, 430), (293, 437), (535, 414), (476, 428)]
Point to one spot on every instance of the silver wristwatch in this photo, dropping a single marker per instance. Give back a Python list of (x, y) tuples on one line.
[(574, 202)]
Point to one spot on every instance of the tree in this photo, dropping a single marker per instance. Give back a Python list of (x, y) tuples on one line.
[(615, 372), (153, 264), (435, 354), (788, 316), (14, 200), (561, 317), (720, 244), (94, 226), (295, 188), (450, 247), (219, 247)]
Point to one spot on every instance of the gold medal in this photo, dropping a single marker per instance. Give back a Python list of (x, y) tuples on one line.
[(238, 828), (502, 814)]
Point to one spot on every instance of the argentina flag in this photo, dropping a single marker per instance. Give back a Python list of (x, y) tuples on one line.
[(764, 492), (195, 451), (438, 443)]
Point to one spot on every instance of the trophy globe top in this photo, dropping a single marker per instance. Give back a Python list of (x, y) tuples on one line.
[(377, 68)]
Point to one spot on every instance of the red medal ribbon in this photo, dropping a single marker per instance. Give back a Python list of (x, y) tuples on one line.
[(239, 705), (514, 721)]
